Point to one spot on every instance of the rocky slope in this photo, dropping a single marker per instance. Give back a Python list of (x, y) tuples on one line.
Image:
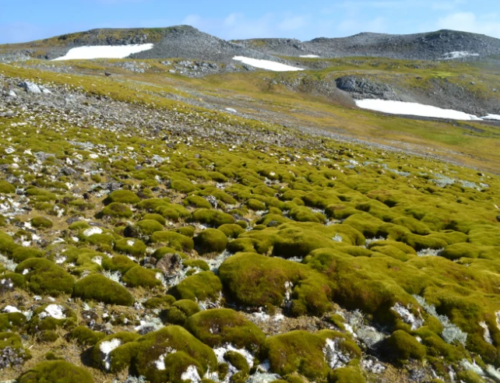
[(438, 45), (146, 244), (179, 41), (188, 42)]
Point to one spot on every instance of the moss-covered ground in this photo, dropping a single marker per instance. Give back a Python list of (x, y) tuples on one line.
[(173, 256)]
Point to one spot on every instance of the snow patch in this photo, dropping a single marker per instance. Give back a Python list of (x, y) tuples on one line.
[(492, 117), (220, 351), (106, 348), (11, 309), (54, 311), (104, 52), (92, 231), (309, 56), (160, 363), (266, 64), (191, 374), (459, 55), (414, 109)]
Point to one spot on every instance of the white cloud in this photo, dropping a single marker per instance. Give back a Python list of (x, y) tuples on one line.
[(469, 22)]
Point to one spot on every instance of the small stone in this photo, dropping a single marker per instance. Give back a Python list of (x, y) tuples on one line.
[(30, 87), (170, 264)]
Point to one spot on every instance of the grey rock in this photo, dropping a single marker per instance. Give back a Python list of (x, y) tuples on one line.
[(71, 220), (68, 171), (42, 156), (30, 87), (170, 264)]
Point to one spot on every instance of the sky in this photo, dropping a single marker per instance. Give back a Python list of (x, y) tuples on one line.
[(26, 20)]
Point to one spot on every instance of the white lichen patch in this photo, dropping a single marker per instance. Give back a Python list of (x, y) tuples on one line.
[(160, 363), (429, 252), (334, 356), (371, 364), (486, 334), (220, 351), (408, 317)]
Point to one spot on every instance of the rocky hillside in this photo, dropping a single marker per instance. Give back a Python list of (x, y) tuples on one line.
[(438, 45), (179, 41), (149, 242), (188, 42)]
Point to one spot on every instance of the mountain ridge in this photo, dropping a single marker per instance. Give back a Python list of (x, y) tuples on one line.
[(188, 42)]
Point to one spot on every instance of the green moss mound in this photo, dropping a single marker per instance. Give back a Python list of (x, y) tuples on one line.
[(213, 218), (41, 223), (117, 210), (45, 277), (255, 280), (12, 322), (139, 276), (129, 246), (119, 263), (155, 346), (230, 327), (99, 288), (211, 241), (200, 286), (346, 375), (155, 217), (302, 352), (85, 336), (149, 226), (174, 240), (403, 346), (122, 196), (6, 187), (23, 253), (180, 311), (14, 342), (232, 230), (56, 372)]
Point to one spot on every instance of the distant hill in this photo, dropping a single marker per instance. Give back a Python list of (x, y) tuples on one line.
[(190, 43), (178, 41), (444, 44)]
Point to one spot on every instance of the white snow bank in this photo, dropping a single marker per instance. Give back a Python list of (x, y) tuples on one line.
[(106, 348), (414, 109), (309, 56), (54, 311), (266, 64), (459, 55), (191, 374), (92, 231), (11, 309), (492, 117), (104, 52)]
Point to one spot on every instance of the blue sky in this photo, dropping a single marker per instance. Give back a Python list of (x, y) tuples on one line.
[(25, 20)]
